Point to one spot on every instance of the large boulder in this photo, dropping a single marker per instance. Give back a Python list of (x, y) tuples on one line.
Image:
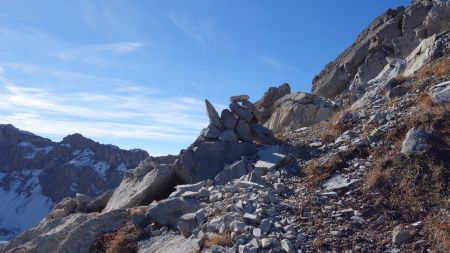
[(441, 93), (262, 135), (298, 110), (416, 141), (207, 159), (228, 119), (244, 131), (72, 234), (241, 112), (265, 104), (233, 171), (149, 181), (168, 212)]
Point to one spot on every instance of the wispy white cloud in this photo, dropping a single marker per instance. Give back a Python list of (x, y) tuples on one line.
[(118, 47), (200, 32), (97, 52), (117, 110), (275, 63)]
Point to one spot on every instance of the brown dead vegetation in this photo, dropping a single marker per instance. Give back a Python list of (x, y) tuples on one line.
[(223, 240), (334, 127), (438, 228), (425, 101), (122, 240), (438, 68), (317, 170), (411, 186)]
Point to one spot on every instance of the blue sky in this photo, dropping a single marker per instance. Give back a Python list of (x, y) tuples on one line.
[(135, 73)]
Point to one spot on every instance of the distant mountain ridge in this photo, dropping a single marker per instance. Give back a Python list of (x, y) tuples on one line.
[(36, 173)]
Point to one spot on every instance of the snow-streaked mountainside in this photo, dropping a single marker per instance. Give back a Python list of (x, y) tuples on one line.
[(36, 173)]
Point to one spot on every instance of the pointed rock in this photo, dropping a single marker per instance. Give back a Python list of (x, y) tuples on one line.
[(213, 115)]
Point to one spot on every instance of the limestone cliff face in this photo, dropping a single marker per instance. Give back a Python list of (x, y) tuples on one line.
[(396, 33)]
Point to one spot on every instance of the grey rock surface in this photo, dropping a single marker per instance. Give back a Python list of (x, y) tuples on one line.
[(265, 104), (297, 110), (442, 94), (168, 212), (157, 183), (244, 131), (416, 141), (233, 171), (213, 115), (74, 233), (169, 242), (228, 119), (208, 159), (241, 112), (400, 235), (366, 57)]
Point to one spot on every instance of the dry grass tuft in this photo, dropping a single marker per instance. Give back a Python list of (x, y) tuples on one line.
[(282, 137), (402, 79), (438, 228), (317, 171), (437, 68), (334, 127), (425, 101), (220, 240), (136, 211), (122, 240), (412, 186)]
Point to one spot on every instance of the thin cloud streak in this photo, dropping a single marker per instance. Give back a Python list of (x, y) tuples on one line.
[(117, 112), (95, 53), (275, 63), (199, 32)]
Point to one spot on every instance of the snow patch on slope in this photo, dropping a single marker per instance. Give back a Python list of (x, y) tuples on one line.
[(83, 158), (34, 150), (22, 201), (101, 167)]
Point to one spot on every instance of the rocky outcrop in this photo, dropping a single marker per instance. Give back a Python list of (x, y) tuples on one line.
[(168, 212), (298, 110), (140, 186), (207, 159), (74, 233), (265, 104), (396, 33)]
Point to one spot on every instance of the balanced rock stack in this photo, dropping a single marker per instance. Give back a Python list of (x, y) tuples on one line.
[(239, 123)]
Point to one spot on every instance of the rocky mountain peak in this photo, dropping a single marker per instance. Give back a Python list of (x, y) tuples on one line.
[(396, 33), (77, 140)]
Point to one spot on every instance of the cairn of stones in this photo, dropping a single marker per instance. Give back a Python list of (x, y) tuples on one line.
[(241, 122)]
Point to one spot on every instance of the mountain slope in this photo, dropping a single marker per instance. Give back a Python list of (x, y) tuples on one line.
[(36, 173)]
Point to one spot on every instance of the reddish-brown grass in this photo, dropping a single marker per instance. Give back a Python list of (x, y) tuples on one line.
[(425, 101), (317, 170), (437, 68), (223, 240), (438, 228), (122, 240)]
